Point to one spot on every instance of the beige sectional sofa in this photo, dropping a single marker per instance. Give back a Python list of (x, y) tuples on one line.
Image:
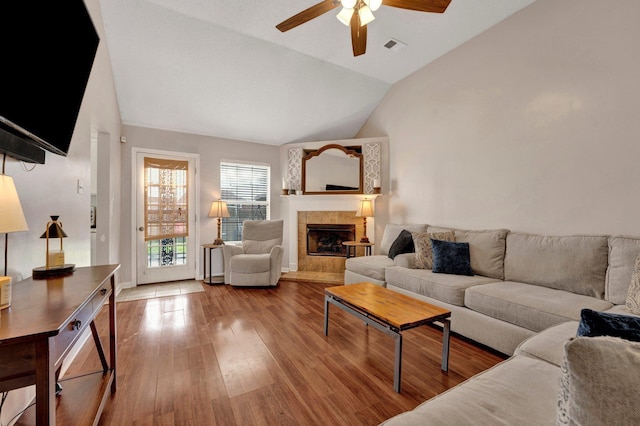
[(523, 283), (526, 389), (524, 300)]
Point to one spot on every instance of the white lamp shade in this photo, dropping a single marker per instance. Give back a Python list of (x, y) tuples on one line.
[(219, 209), (345, 16), (366, 16), (11, 215), (349, 4), (365, 209), (373, 4)]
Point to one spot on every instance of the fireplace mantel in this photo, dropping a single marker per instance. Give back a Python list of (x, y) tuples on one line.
[(292, 204)]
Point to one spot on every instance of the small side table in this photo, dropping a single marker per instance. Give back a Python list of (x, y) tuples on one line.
[(355, 244), (212, 280)]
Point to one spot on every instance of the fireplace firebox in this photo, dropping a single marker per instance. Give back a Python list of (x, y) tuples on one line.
[(326, 239)]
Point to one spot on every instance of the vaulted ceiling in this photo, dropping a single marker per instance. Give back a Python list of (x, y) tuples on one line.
[(221, 68)]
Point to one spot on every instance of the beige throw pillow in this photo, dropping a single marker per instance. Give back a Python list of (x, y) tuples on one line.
[(599, 382), (633, 296), (422, 244)]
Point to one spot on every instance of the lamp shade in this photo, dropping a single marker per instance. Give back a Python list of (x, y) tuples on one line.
[(219, 209), (55, 229), (345, 15), (365, 209), (11, 215), (373, 4), (365, 15)]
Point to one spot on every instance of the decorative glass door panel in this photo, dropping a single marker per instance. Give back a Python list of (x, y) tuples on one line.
[(166, 251)]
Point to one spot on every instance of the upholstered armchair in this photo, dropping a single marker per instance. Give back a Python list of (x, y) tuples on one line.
[(258, 261)]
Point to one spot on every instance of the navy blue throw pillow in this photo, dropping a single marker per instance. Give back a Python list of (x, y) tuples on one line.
[(402, 244), (594, 323), (451, 258)]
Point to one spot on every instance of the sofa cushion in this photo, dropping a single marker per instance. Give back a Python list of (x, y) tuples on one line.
[(621, 309), (424, 251), (530, 306), (451, 257), (623, 252), (594, 323), (443, 287), (391, 232), (487, 249), (433, 229), (519, 391), (549, 344), (599, 382), (402, 244), (369, 266), (576, 264), (633, 296), (406, 260)]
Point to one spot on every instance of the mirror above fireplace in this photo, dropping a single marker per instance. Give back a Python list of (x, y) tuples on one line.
[(333, 169)]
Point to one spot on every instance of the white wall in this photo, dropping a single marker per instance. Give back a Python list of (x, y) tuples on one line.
[(52, 188), (531, 126), (212, 150)]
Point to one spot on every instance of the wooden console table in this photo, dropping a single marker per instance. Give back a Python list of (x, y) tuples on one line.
[(45, 320)]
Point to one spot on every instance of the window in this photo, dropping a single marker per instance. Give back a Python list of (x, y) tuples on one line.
[(245, 188)]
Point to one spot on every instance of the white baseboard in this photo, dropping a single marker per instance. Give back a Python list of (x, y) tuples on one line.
[(123, 285)]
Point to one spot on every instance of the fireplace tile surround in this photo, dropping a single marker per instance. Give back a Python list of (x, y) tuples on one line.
[(323, 263), (300, 210)]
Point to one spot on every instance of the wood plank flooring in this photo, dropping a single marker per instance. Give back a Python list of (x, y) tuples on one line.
[(244, 356)]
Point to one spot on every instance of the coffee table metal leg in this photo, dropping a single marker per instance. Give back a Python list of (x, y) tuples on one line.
[(446, 325), (326, 315), (397, 370)]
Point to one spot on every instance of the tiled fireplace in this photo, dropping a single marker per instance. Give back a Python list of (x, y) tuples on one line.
[(331, 218)]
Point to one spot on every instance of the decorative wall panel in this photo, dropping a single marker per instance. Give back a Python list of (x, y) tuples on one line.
[(371, 154), (294, 168)]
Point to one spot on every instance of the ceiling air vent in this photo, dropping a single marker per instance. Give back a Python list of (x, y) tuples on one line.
[(394, 45)]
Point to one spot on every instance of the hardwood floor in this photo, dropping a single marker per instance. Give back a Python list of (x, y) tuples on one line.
[(241, 356)]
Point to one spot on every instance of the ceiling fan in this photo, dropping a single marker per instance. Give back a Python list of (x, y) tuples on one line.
[(358, 13)]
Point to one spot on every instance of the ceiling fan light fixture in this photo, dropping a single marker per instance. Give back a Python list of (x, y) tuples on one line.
[(366, 16), (345, 16), (373, 4), (349, 4)]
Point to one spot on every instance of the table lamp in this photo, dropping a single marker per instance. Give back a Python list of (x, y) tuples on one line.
[(219, 210), (55, 258), (365, 210), (11, 220)]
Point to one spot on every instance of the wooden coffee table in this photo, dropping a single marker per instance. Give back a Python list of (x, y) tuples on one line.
[(390, 312)]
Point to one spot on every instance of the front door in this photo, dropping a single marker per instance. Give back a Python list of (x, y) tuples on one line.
[(165, 216)]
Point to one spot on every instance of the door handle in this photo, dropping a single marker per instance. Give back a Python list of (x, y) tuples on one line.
[(141, 228)]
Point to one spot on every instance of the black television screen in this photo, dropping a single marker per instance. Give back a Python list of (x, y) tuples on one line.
[(47, 50)]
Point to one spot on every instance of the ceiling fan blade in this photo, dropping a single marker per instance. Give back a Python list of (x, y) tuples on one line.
[(308, 14), (434, 6), (358, 36)]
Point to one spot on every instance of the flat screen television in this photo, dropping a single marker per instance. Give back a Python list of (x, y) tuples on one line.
[(47, 50)]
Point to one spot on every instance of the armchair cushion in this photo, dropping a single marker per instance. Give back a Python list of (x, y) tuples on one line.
[(251, 263), (259, 247)]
